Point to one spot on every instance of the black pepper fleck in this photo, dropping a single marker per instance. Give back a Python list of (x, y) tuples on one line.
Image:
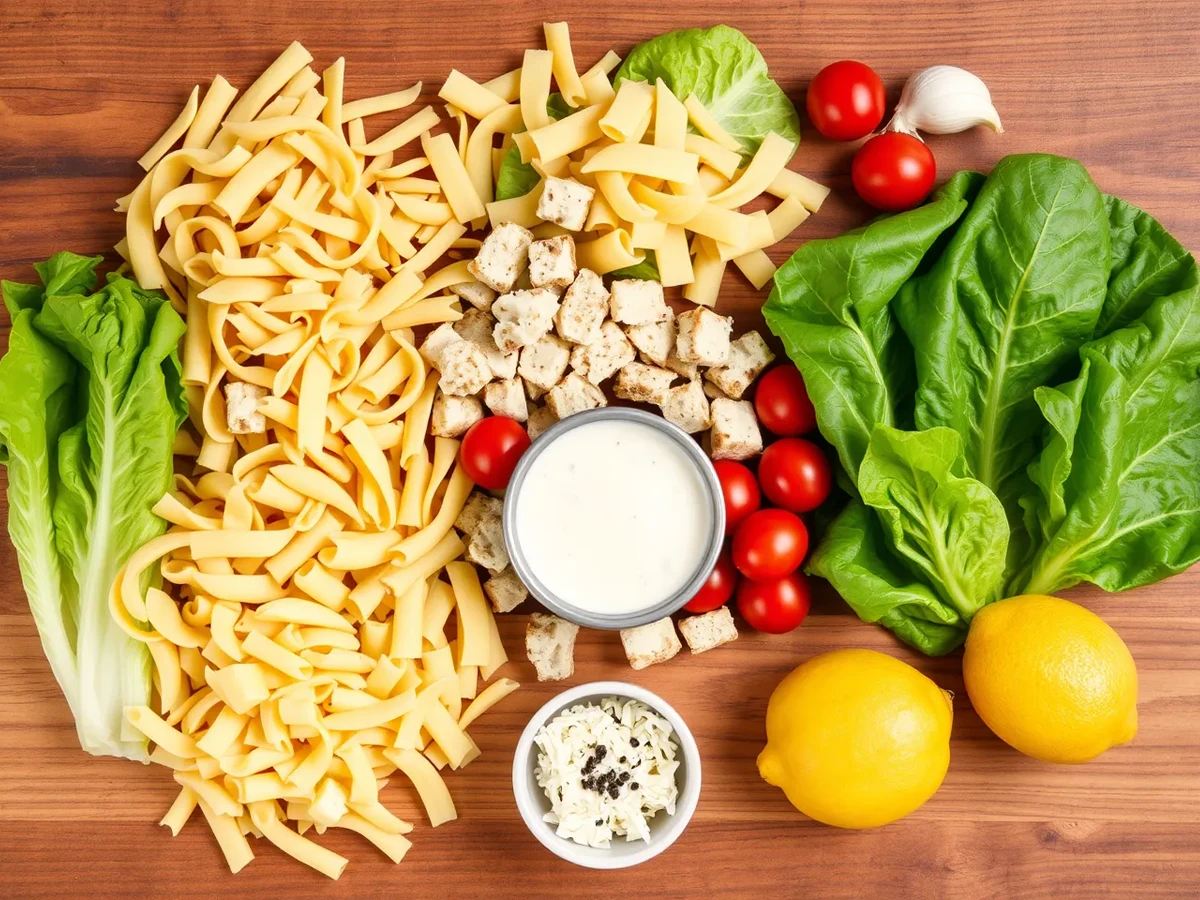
[(621, 760), (599, 821), (633, 786), (601, 752), (634, 742), (613, 793)]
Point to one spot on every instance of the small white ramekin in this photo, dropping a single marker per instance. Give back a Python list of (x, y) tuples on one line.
[(664, 830)]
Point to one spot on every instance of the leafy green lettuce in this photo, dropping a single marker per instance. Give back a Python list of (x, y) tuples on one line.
[(90, 400), (723, 69), (931, 341)]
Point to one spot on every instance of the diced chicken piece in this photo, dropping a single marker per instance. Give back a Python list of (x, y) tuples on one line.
[(507, 398), (709, 630), (241, 407), (544, 362), (687, 407), (478, 294), (552, 262), (643, 384), (648, 645), (505, 591), (638, 302), (486, 546), (540, 418), (654, 341), (452, 416), (602, 358), (573, 395), (702, 337), (735, 433), (436, 342), (565, 202), (476, 326), (465, 369), (502, 257), (479, 506), (690, 371), (523, 317), (550, 646), (584, 307), (748, 356)]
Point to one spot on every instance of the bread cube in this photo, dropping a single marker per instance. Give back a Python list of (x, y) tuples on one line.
[(436, 342), (735, 433), (478, 294), (584, 307), (748, 356), (522, 317), (648, 645), (465, 369), (552, 262), (452, 416), (654, 340), (572, 395), (709, 630), (702, 337), (643, 384), (507, 398), (687, 407), (638, 302), (532, 391), (477, 327), (565, 202), (502, 256), (712, 392), (486, 546), (602, 358), (687, 370), (550, 646), (479, 507), (241, 408), (544, 362), (540, 418), (505, 591)]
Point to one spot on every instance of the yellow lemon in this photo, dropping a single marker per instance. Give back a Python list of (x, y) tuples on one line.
[(1051, 678), (856, 738)]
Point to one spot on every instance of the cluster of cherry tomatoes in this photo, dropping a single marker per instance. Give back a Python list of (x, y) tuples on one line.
[(892, 171), (761, 560)]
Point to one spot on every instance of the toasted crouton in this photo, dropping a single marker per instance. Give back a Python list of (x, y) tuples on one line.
[(476, 326), (552, 262), (523, 317), (436, 343), (702, 337), (502, 256), (574, 395), (464, 369), (565, 202), (638, 302), (550, 646), (687, 407), (643, 384), (452, 416), (540, 418), (654, 340), (241, 408), (478, 294), (603, 358), (505, 591), (486, 547), (748, 356), (507, 398), (584, 307), (735, 433), (709, 630), (479, 506), (544, 362), (648, 645)]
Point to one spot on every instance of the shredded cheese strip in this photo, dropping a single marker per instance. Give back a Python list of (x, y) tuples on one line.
[(315, 633)]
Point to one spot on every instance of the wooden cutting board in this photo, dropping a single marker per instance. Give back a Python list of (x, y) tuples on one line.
[(86, 87)]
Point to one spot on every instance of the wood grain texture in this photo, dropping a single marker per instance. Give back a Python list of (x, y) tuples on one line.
[(84, 90)]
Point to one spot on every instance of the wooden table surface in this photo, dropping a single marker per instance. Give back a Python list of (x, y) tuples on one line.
[(85, 88)]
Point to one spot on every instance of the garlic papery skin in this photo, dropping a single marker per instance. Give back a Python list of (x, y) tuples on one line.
[(944, 100)]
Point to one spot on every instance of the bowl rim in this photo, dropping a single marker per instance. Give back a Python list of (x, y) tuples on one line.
[(526, 791), (673, 603)]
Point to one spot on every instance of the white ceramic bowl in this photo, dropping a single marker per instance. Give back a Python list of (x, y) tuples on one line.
[(664, 829)]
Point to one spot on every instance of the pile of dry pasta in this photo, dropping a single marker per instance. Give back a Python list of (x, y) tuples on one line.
[(302, 655)]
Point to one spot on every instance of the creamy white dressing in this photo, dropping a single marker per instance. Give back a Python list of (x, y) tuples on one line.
[(614, 517)]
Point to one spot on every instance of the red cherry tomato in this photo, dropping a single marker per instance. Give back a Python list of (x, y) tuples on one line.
[(846, 100), (795, 474), (893, 171), (782, 403), (770, 543), (490, 450), (776, 606), (719, 587), (740, 491)]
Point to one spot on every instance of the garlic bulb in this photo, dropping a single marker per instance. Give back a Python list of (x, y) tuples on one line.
[(944, 100)]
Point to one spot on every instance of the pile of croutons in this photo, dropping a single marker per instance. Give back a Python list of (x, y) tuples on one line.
[(541, 336)]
